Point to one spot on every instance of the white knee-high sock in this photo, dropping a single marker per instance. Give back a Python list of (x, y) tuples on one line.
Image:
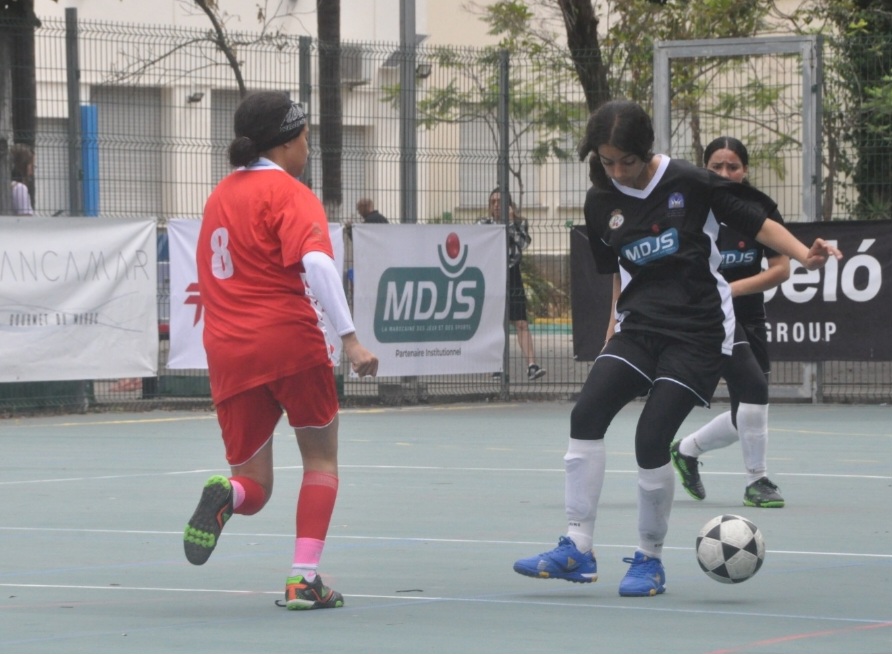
[(584, 466), (718, 432), (752, 424), (656, 489)]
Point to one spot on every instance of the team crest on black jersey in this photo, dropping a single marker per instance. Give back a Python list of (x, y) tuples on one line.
[(616, 219), (676, 201)]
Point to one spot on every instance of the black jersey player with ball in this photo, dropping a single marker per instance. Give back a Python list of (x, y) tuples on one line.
[(652, 223)]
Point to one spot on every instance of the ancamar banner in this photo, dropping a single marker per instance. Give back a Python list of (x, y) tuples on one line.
[(78, 298)]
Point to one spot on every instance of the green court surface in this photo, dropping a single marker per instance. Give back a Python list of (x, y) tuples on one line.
[(435, 505)]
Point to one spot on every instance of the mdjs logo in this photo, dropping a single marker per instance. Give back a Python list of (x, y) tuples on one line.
[(651, 248), (431, 304)]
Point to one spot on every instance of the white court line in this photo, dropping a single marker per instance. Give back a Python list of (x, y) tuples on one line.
[(414, 539), (469, 600), (20, 424), (204, 471)]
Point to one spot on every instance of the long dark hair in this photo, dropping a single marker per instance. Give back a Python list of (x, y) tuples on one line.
[(727, 143), (622, 124)]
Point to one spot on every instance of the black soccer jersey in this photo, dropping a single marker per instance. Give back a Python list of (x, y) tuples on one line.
[(662, 241), (741, 258)]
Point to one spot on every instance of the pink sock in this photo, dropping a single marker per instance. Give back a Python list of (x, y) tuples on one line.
[(315, 504)]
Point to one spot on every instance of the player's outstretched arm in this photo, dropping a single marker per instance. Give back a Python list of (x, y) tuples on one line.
[(779, 238)]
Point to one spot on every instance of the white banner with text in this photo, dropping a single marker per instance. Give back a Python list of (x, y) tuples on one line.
[(430, 299), (77, 298), (186, 318)]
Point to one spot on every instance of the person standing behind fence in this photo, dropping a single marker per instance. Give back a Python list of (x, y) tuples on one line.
[(265, 271), (366, 210), (518, 241), (22, 169), (652, 224), (746, 372)]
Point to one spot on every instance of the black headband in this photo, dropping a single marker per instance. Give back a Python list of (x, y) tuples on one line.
[(291, 126)]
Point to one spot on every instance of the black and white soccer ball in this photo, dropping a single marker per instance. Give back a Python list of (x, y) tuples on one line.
[(730, 549)]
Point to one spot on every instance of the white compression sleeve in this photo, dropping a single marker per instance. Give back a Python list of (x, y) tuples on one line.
[(326, 287), (584, 465), (718, 432), (656, 488), (752, 423)]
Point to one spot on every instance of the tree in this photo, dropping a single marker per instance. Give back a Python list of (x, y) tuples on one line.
[(230, 44), (857, 85), (223, 43), (581, 25), (328, 16), (626, 49), (545, 103), (858, 105)]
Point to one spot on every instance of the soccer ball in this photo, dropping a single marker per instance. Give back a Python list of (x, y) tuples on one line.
[(730, 549)]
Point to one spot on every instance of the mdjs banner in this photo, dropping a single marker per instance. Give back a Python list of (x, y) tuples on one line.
[(430, 299), (842, 312)]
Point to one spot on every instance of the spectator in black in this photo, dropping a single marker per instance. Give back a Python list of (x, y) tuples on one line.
[(366, 209), (518, 240)]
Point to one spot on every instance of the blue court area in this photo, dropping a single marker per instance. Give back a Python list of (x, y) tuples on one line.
[(435, 505)]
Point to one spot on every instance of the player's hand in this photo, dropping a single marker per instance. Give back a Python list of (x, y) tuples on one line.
[(363, 362), (819, 253)]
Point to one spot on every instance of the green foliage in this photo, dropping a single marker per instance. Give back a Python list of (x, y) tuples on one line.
[(857, 103), (544, 298), (544, 104), (635, 25)]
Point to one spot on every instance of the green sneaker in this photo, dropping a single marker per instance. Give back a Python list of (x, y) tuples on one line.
[(301, 595), (214, 509), (764, 494), (687, 467)]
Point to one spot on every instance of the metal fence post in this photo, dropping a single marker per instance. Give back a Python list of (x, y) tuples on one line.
[(504, 91), (408, 137), (75, 198)]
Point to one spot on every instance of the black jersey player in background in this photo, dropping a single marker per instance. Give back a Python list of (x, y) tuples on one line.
[(653, 224), (746, 372)]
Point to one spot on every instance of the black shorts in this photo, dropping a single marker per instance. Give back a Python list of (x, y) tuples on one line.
[(697, 367), (517, 296)]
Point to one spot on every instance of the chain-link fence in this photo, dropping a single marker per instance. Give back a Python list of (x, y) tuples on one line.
[(135, 121)]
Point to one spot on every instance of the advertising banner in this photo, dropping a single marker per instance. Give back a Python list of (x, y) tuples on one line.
[(77, 298), (430, 299), (841, 312), (186, 319)]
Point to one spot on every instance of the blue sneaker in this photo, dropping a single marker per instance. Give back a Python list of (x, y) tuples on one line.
[(645, 577), (563, 562)]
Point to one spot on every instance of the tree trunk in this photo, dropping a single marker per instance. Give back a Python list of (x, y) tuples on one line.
[(328, 13), (582, 39)]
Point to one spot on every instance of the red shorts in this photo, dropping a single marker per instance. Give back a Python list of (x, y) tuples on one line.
[(309, 398)]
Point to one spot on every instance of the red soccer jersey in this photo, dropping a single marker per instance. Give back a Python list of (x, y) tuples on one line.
[(259, 323)]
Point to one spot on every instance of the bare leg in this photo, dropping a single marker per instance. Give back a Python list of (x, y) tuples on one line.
[(259, 467), (319, 448), (525, 341)]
